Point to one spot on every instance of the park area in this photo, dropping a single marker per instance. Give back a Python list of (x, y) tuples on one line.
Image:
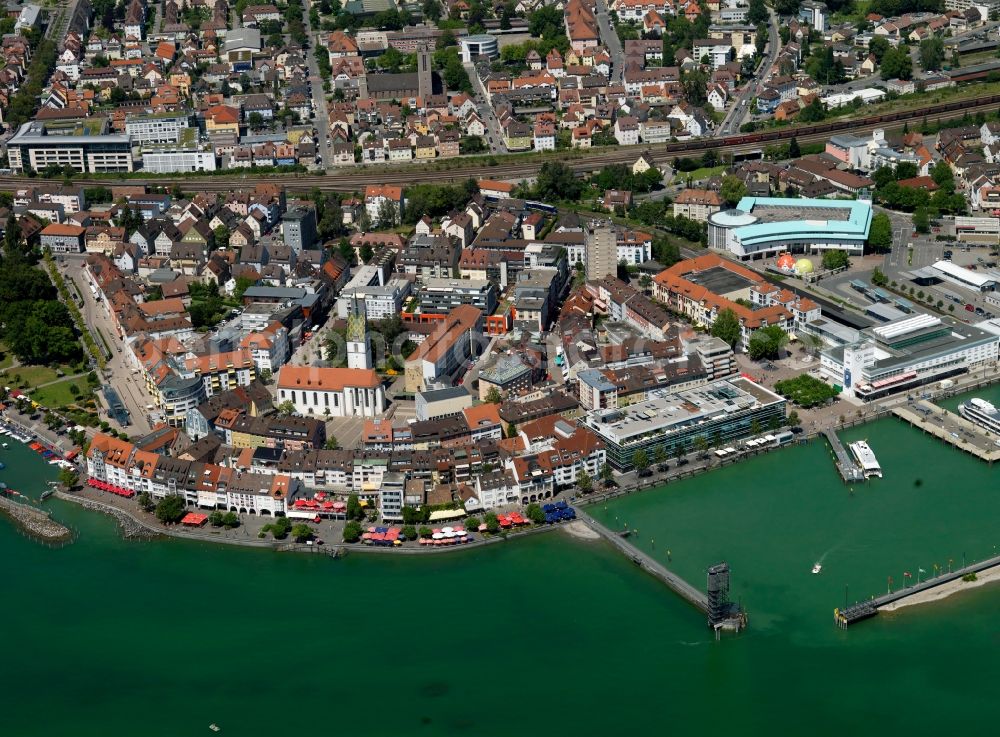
[(806, 391)]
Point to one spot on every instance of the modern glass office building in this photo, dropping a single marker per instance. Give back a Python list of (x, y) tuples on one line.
[(719, 412)]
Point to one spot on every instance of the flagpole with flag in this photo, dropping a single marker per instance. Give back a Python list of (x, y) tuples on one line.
[(919, 571), (906, 575)]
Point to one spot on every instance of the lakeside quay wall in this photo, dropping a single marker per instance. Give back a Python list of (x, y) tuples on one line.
[(35, 522), (148, 531)]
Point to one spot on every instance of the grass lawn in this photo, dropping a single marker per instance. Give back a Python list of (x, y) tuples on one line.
[(8, 358), (702, 173), (32, 376), (59, 394)]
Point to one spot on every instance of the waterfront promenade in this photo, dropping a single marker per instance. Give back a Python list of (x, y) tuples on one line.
[(951, 428)]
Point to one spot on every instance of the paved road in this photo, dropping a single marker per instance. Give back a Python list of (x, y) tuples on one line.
[(494, 133), (118, 372), (612, 42), (322, 119), (741, 104)]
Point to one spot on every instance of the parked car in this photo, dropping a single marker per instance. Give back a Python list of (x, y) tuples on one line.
[(970, 308)]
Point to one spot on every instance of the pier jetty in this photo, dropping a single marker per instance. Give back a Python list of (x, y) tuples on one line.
[(951, 428), (35, 522), (848, 469), (721, 614), (867, 609)]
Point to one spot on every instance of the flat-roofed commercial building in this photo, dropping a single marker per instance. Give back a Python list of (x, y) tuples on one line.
[(979, 281), (440, 296), (156, 127), (761, 227), (907, 353), (169, 159), (719, 412), (33, 148)]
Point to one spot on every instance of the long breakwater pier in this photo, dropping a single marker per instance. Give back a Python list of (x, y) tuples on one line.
[(867, 609), (951, 428), (848, 469), (715, 605)]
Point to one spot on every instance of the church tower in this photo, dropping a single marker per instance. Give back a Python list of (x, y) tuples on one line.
[(359, 344), (425, 74)]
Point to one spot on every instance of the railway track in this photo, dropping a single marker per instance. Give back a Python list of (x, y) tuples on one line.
[(356, 179)]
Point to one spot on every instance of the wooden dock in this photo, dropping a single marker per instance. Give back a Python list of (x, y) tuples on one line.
[(951, 428), (649, 564), (848, 469), (867, 609)]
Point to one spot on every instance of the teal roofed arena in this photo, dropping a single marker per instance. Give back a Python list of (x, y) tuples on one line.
[(763, 227)]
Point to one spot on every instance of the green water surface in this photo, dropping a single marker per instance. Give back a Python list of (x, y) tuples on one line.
[(543, 636)]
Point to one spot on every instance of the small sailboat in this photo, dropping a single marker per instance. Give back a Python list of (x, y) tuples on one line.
[(817, 568), (215, 727)]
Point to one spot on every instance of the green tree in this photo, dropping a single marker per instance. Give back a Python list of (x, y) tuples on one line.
[(215, 518), (640, 459), (880, 234), (146, 503), (230, 520), (170, 509), (896, 64), (878, 46), (425, 532), (354, 509), (68, 477), (301, 533), (660, 454), (607, 475), (793, 148), (556, 182), (352, 532), (492, 524), (879, 279), (733, 190), (471, 524), (511, 429), (493, 395), (757, 12), (584, 481), (836, 259), (793, 419), (726, 327), (943, 176), (701, 445), (535, 513), (331, 443), (409, 532), (286, 408), (932, 53), (921, 220), (766, 342), (222, 236)]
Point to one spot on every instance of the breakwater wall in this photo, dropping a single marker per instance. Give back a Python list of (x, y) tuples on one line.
[(35, 522), (131, 528)]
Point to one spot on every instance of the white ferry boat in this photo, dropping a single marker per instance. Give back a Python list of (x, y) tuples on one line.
[(982, 413), (866, 459)]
